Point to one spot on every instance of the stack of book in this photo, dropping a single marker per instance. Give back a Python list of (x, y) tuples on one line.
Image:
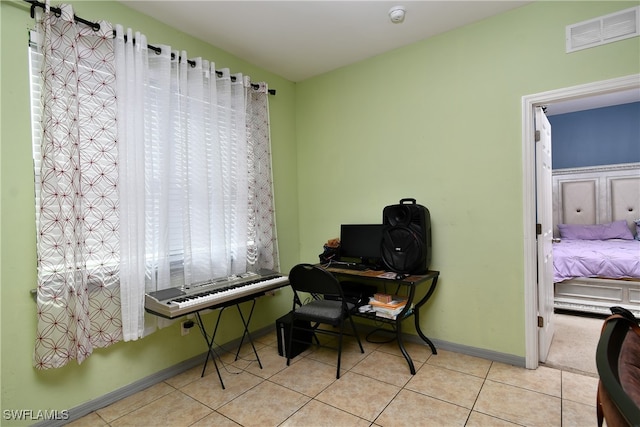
[(387, 306)]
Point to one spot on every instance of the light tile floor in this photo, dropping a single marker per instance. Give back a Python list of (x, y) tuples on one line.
[(375, 389)]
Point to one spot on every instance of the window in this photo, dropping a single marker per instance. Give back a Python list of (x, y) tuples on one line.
[(151, 171)]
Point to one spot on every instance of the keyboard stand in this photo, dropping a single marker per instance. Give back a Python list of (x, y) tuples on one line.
[(210, 351), (247, 333), (211, 340)]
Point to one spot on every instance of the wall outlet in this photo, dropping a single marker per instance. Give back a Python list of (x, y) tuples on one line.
[(185, 327)]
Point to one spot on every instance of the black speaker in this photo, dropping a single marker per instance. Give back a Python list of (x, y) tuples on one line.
[(406, 237)]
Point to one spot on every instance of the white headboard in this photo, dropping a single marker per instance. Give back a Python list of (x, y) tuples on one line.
[(596, 195)]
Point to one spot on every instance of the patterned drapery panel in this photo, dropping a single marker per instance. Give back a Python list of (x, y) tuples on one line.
[(78, 292), (264, 254)]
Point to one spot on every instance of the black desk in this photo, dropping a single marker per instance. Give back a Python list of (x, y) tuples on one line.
[(411, 282)]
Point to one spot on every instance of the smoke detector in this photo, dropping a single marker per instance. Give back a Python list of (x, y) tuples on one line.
[(396, 14)]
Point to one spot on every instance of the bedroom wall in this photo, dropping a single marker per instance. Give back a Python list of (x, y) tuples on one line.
[(602, 136), (440, 121), (107, 370)]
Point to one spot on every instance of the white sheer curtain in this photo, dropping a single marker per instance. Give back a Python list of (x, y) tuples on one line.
[(201, 198), (152, 171), (132, 72)]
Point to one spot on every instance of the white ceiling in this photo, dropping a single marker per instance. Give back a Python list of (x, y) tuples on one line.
[(303, 38), (299, 39)]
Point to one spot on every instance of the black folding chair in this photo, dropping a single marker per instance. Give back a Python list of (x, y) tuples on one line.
[(326, 305)]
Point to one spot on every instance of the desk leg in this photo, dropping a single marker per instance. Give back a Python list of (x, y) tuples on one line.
[(412, 369), (210, 351), (416, 314), (422, 335)]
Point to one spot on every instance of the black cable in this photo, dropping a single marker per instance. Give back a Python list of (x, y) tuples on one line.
[(96, 26), (380, 329)]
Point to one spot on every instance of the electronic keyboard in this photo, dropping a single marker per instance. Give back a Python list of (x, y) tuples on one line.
[(179, 301)]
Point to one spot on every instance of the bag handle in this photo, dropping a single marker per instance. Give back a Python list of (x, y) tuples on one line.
[(413, 201)]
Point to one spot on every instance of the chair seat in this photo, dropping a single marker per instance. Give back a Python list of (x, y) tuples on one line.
[(326, 311)]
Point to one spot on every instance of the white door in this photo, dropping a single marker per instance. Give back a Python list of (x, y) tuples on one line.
[(544, 212)]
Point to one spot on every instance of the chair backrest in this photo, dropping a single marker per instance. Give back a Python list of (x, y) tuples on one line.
[(314, 280), (618, 363)]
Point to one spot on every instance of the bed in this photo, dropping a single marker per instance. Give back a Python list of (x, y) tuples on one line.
[(596, 251)]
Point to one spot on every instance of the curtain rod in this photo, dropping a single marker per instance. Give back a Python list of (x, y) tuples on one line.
[(95, 26)]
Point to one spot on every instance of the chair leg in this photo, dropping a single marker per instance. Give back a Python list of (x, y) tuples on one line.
[(340, 348), (314, 327), (289, 342), (355, 332)]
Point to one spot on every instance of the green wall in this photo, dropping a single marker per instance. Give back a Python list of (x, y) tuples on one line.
[(24, 387), (439, 121)]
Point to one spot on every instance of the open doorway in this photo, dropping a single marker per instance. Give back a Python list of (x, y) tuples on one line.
[(530, 203), (591, 142)]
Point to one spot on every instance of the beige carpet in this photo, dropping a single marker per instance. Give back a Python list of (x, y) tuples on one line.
[(574, 343)]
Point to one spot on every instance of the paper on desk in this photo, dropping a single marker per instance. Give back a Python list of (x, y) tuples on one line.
[(388, 275)]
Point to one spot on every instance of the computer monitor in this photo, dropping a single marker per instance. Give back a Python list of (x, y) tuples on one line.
[(362, 242)]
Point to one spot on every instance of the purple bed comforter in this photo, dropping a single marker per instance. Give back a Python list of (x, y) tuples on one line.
[(615, 259)]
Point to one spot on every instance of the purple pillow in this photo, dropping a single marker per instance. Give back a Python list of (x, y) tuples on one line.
[(612, 230)]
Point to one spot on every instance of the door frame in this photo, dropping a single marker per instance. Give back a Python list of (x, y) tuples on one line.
[(529, 102)]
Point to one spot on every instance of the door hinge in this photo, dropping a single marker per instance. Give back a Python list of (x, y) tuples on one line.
[(538, 229), (540, 322), (537, 135)]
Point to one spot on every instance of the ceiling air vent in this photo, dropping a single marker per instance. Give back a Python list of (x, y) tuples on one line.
[(605, 29)]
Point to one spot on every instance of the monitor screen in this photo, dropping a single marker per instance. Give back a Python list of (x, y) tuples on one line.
[(361, 241)]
